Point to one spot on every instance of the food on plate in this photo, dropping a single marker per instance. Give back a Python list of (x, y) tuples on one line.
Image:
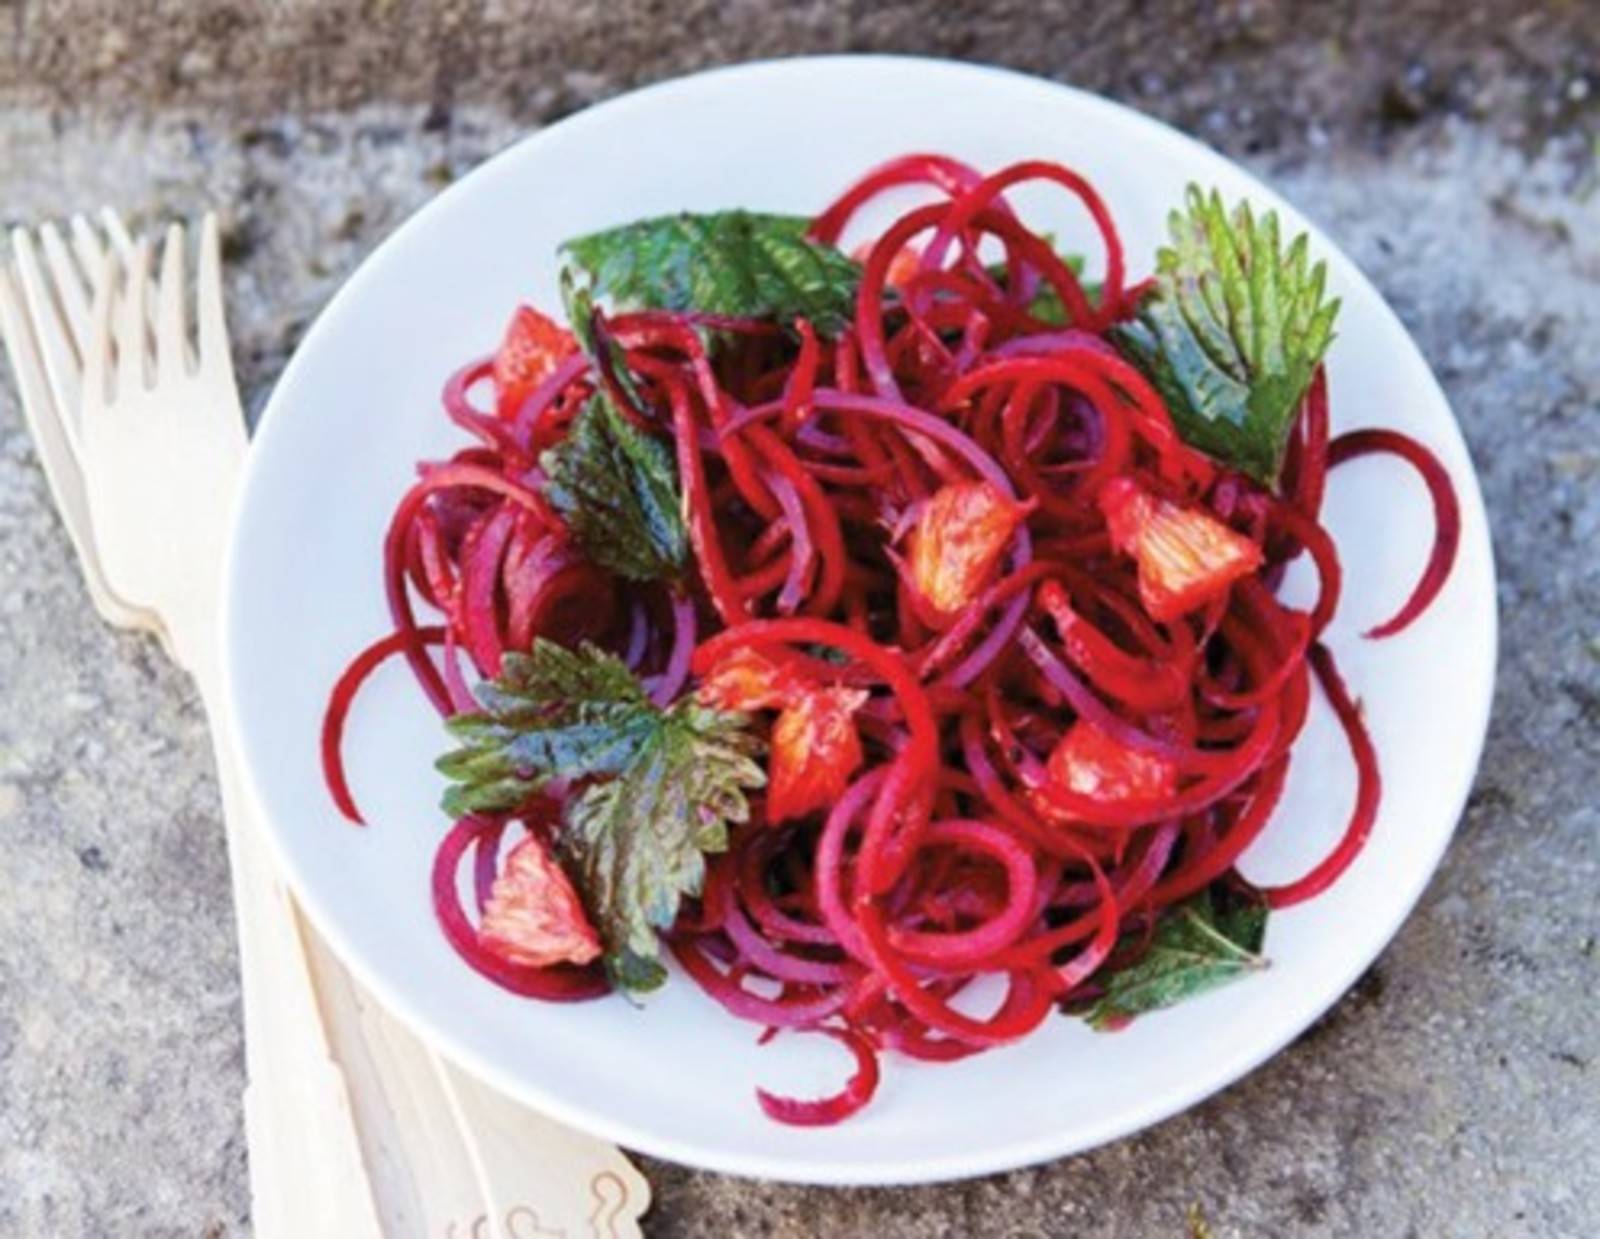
[(893, 640)]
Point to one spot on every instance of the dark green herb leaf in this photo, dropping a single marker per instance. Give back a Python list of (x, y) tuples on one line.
[(618, 491), (668, 784), (1242, 920), (727, 262), (1196, 947), (578, 302), (1232, 332), (550, 713), (635, 974), (637, 843)]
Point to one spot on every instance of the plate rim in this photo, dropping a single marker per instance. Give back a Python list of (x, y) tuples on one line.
[(819, 1168)]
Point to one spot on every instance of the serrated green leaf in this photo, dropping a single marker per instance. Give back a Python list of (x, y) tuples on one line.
[(1197, 946), (635, 974), (550, 713), (668, 784), (489, 796), (725, 262), (637, 843), (1233, 331), (578, 303), (617, 490), (553, 672)]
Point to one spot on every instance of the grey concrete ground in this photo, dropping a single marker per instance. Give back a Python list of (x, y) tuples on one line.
[(1454, 149)]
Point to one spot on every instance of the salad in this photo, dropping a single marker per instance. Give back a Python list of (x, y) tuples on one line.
[(889, 635)]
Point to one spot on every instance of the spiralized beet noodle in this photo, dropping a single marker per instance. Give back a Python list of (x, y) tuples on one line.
[(950, 856)]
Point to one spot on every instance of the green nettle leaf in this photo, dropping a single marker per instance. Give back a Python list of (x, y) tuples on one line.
[(617, 489), (1232, 332), (725, 262), (550, 713), (637, 843), (667, 785), (1198, 945), (578, 302)]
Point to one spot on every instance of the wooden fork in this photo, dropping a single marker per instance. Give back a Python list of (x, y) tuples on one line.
[(145, 485), (48, 367), (159, 474)]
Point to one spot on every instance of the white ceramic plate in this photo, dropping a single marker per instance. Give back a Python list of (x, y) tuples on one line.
[(358, 406)]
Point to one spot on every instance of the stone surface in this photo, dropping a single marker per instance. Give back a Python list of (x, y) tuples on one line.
[(1451, 148)]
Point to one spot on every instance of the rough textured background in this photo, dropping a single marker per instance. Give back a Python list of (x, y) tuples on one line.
[(1452, 148)]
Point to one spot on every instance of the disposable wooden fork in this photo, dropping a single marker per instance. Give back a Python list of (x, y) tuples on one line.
[(48, 369), (145, 483)]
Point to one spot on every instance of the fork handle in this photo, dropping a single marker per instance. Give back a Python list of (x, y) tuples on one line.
[(450, 1158), (307, 1174)]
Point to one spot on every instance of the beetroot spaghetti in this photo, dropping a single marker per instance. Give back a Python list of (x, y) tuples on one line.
[(892, 639)]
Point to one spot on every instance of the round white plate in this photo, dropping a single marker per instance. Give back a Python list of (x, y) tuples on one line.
[(359, 405)]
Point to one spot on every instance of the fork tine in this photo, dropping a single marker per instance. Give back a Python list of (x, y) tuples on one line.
[(121, 238), (131, 372), (120, 242), (213, 325), (17, 332), (97, 363), (89, 247), (49, 328), (171, 354), (70, 287)]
